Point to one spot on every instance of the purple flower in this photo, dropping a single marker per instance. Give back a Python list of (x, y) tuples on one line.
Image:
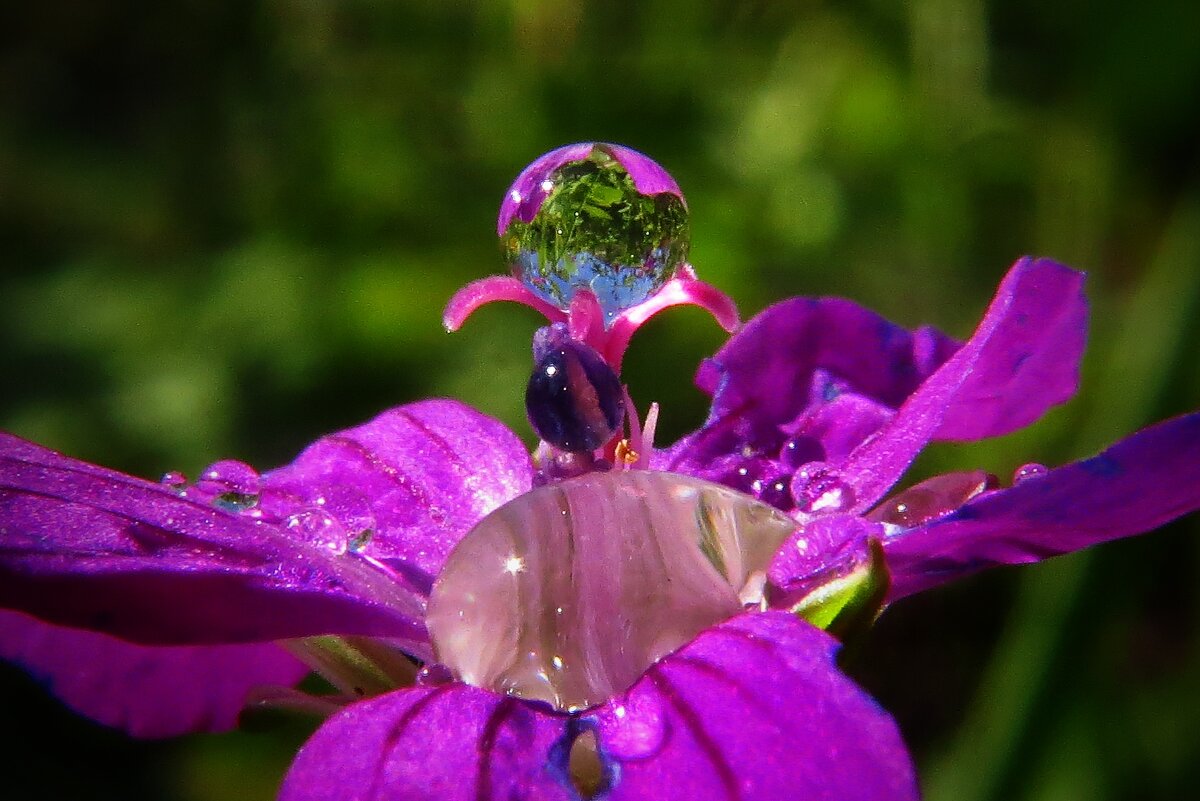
[(597, 629)]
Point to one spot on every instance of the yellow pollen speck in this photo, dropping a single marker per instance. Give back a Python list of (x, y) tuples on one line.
[(625, 453)]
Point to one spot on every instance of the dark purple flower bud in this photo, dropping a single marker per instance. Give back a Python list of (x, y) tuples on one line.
[(574, 399)]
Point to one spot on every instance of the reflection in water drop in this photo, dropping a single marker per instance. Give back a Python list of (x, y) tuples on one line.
[(595, 230)]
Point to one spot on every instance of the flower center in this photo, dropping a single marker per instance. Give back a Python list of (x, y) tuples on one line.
[(568, 593)]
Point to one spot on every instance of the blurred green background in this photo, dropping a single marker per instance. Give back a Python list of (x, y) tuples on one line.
[(230, 227)]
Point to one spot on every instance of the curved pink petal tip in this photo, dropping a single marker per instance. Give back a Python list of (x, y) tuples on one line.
[(490, 290), (683, 290)]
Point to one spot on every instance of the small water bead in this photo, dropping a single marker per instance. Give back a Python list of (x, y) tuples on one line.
[(320, 528), (639, 562), (353, 513), (233, 485), (816, 488), (434, 674), (175, 481), (574, 399), (1027, 471), (594, 229)]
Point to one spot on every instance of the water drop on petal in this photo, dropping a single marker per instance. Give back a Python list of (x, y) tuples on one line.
[(638, 562), (1027, 471), (931, 498), (434, 674), (817, 489), (232, 485), (594, 227), (318, 527), (800, 450), (175, 481), (353, 513)]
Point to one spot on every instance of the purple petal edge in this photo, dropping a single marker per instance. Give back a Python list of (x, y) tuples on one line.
[(1132, 487), (145, 691)]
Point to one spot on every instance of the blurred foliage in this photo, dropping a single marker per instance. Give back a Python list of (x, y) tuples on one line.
[(230, 227)]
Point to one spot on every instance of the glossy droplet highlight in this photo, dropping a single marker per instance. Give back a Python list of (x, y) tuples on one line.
[(568, 593), (434, 675), (817, 489), (175, 481), (353, 513), (931, 498), (320, 528), (233, 485), (574, 399), (1027, 471), (593, 229)]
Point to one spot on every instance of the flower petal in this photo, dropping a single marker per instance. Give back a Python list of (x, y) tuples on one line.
[(447, 743), (1135, 486), (766, 369), (819, 552), (430, 471), (91, 548), (753, 708), (146, 691), (1022, 359)]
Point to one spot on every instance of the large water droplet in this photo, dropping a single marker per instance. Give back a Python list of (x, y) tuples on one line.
[(595, 230), (574, 399), (568, 593)]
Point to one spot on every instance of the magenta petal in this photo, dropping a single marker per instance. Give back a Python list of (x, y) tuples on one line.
[(94, 549), (766, 369), (1022, 359), (146, 691), (430, 471), (755, 708), (822, 550), (1135, 486), (1036, 332), (448, 743)]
